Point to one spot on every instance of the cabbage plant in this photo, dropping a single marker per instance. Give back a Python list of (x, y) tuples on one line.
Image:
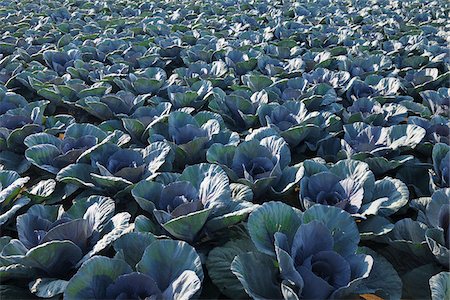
[(351, 186), (217, 73), (59, 61), (262, 162), (52, 154), (302, 255), (238, 109), (138, 124), (110, 167), (432, 224), (437, 131), (381, 147), (16, 124), (196, 201), (120, 104), (293, 121), (10, 100), (53, 242), (437, 101), (191, 136), (144, 81), (10, 199), (438, 236), (441, 165), (195, 95), (372, 112), (161, 269), (241, 62)]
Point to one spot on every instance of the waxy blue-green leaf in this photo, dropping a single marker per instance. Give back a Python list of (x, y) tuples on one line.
[(257, 273), (269, 218), (440, 286), (53, 257), (131, 246), (48, 287), (94, 276), (165, 260), (219, 262), (345, 231)]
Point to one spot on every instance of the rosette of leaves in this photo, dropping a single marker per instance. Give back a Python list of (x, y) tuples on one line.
[(17, 124), (372, 112), (385, 87), (310, 255), (278, 57), (138, 124), (441, 166), (10, 100), (256, 82), (438, 101), (238, 108), (143, 81), (109, 106), (191, 204), (8, 67), (11, 185), (82, 70), (133, 53), (291, 28), (52, 154), (335, 79), (426, 79), (260, 162), (271, 66), (438, 236), (433, 218), (380, 147), (169, 46), (351, 186), (95, 71), (106, 49), (364, 110), (37, 76), (293, 122), (143, 268), (191, 136), (414, 108), (114, 169), (323, 98), (376, 63), (205, 49), (194, 95), (242, 61), (291, 89), (421, 242), (437, 131), (294, 66), (71, 91), (216, 72), (314, 58), (52, 243), (415, 79), (154, 26), (59, 61), (357, 89)]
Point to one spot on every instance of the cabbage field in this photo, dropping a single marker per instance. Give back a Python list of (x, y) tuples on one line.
[(224, 149)]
